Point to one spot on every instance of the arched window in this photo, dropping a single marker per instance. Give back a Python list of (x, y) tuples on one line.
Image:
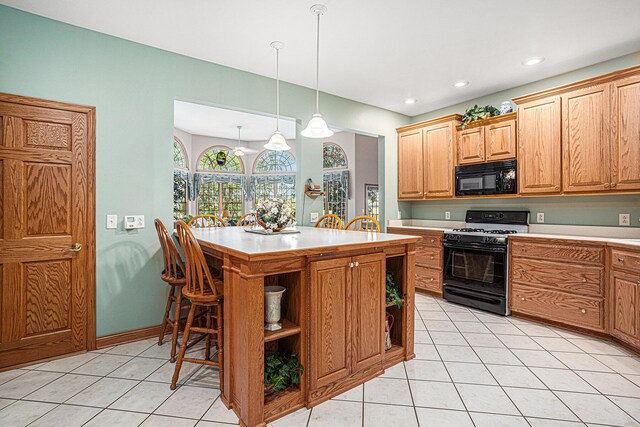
[(179, 197), (180, 160), (274, 162), (220, 159), (333, 156)]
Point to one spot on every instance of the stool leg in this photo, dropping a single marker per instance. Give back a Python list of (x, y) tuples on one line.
[(176, 325), (183, 346), (207, 349), (219, 341), (165, 319)]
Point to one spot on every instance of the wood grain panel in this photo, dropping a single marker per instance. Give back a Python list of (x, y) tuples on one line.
[(580, 311), (1, 202), (539, 146), (430, 238), (570, 251), (625, 291), (47, 135), (438, 150), (48, 198), (585, 139), (500, 141), (47, 287), (625, 149), (625, 260), (410, 165), (580, 279), (470, 146), (428, 257), (429, 279), (1, 131)]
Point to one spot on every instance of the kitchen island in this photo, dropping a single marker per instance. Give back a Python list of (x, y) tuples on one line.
[(333, 311)]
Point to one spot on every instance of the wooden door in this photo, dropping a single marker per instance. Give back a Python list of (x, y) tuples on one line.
[(625, 307), (410, 165), (437, 143), (330, 330), (500, 141), (586, 118), (368, 297), (471, 146), (625, 149), (46, 207), (539, 152)]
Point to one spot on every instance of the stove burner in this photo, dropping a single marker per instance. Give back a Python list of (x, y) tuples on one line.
[(500, 231), (470, 230)]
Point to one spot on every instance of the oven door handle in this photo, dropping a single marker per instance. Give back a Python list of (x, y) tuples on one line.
[(478, 247)]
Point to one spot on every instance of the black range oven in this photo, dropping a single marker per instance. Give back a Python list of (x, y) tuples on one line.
[(486, 178)]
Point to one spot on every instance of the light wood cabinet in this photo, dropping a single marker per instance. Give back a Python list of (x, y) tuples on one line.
[(539, 146), (438, 149), (624, 294), (471, 146), (586, 139), (500, 140), (488, 140), (410, 165), (625, 148)]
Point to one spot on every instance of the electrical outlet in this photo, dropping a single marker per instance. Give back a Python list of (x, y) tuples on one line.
[(624, 219), (540, 217), (313, 217), (112, 221), (447, 215)]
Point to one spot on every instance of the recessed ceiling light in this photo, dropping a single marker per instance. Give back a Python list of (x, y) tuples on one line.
[(461, 83), (410, 101), (532, 61)]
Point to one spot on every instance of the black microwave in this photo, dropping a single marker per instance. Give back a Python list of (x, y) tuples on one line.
[(486, 178)]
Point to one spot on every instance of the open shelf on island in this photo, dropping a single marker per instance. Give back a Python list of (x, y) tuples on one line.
[(282, 400), (396, 353), (288, 329)]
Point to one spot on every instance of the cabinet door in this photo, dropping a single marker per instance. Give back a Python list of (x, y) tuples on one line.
[(329, 326), (500, 141), (625, 149), (410, 165), (437, 143), (539, 165), (368, 299), (471, 146), (586, 145), (624, 307)]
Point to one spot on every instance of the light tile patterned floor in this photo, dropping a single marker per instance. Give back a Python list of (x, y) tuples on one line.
[(471, 369)]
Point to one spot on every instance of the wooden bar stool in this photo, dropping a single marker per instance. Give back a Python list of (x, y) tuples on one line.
[(363, 223), (173, 275), (206, 221), (204, 293), (329, 221)]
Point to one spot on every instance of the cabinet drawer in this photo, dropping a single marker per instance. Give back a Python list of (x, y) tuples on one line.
[(625, 260), (558, 252), (428, 279), (428, 257), (580, 311), (583, 280), (430, 238)]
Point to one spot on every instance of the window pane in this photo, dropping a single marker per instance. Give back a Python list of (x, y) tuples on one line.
[(288, 193), (232, 199), (335, 199), (208, 199), (275, 161), (373, 201), (265, 191), (333, 157), (179, 156), (209, 161), (179, 197)]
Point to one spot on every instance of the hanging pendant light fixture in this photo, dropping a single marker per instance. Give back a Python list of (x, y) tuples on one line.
[(317, 127), (238, 151), (277, 141)]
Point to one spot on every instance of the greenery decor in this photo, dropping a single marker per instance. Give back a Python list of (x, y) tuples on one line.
[(281, 370), (478, 113), (275, 214), (393, 295)]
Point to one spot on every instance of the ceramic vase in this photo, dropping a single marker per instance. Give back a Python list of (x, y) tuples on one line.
[(506, 107), (272, 300)]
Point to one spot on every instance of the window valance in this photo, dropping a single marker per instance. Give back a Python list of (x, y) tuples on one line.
[(269, 179)]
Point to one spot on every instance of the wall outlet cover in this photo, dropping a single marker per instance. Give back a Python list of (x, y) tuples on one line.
[(313, 217), (540, 217), (447, 215), (112, 221), (624, 219)]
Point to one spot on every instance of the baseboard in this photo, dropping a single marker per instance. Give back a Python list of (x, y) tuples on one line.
[(128, 336)]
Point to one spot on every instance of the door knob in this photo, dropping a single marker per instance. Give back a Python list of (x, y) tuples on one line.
[(522, 299), (356, 264), (431, 279), (351, 265), (75, 248)]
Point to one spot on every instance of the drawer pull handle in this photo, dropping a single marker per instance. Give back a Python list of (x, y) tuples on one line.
[(606, 185), (583, 311), (350, 265), (432, 257), (620, 259), (522, 298), (584, 280), (431, 279), (433, 240)]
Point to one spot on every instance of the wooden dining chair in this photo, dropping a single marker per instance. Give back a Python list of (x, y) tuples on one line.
[(246, 219), (206, 221), (329, 221), (363, 223), (174, 275), (204, 293)]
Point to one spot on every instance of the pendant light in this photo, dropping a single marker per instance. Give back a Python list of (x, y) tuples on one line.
[(238, 151), (317, 127), (277, 141)]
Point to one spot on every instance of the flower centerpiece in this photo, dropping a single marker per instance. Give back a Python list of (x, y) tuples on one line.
[(275, 214)]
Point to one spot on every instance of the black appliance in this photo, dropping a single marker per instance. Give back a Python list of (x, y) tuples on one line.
[(476, 257), (486, 178)]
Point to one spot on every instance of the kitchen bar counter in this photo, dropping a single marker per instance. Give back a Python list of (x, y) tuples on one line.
[(333, 312)]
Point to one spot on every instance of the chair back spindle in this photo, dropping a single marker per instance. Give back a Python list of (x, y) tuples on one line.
[(199, 280), (173, 266), (363, 223), (329, 221), (206, 221)]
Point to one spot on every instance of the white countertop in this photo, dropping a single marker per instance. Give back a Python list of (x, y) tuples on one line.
[(238, 240)]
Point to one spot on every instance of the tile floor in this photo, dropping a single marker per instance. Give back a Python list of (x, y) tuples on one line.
[(471, 369)]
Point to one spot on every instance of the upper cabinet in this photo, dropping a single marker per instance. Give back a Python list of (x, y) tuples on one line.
[(471, 146), (625, 148), (488, 140), (410, 165)]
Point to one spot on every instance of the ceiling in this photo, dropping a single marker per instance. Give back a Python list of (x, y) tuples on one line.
[(203, 120), (380, 54)]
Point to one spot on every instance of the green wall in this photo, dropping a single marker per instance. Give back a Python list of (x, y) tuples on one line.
[(575, 210), (133, 88)]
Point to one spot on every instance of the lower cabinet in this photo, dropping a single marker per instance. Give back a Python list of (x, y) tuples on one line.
[(347, 316), (624, 296)]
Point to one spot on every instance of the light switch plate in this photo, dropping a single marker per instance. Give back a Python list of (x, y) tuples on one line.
[(314, 217), (112, 221), (540, 218), (624, 219), (133, 221), (447, 215)]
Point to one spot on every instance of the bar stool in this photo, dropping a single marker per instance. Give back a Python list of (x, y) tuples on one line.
[(204, 293), (363, 223), (329, 221), (206, 221), (173, 275)]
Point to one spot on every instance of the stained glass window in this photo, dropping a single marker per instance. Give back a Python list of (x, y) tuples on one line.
[(372, 201), (220, 159), (274, 162), (333, 156), (179, 197), (179, 155)]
